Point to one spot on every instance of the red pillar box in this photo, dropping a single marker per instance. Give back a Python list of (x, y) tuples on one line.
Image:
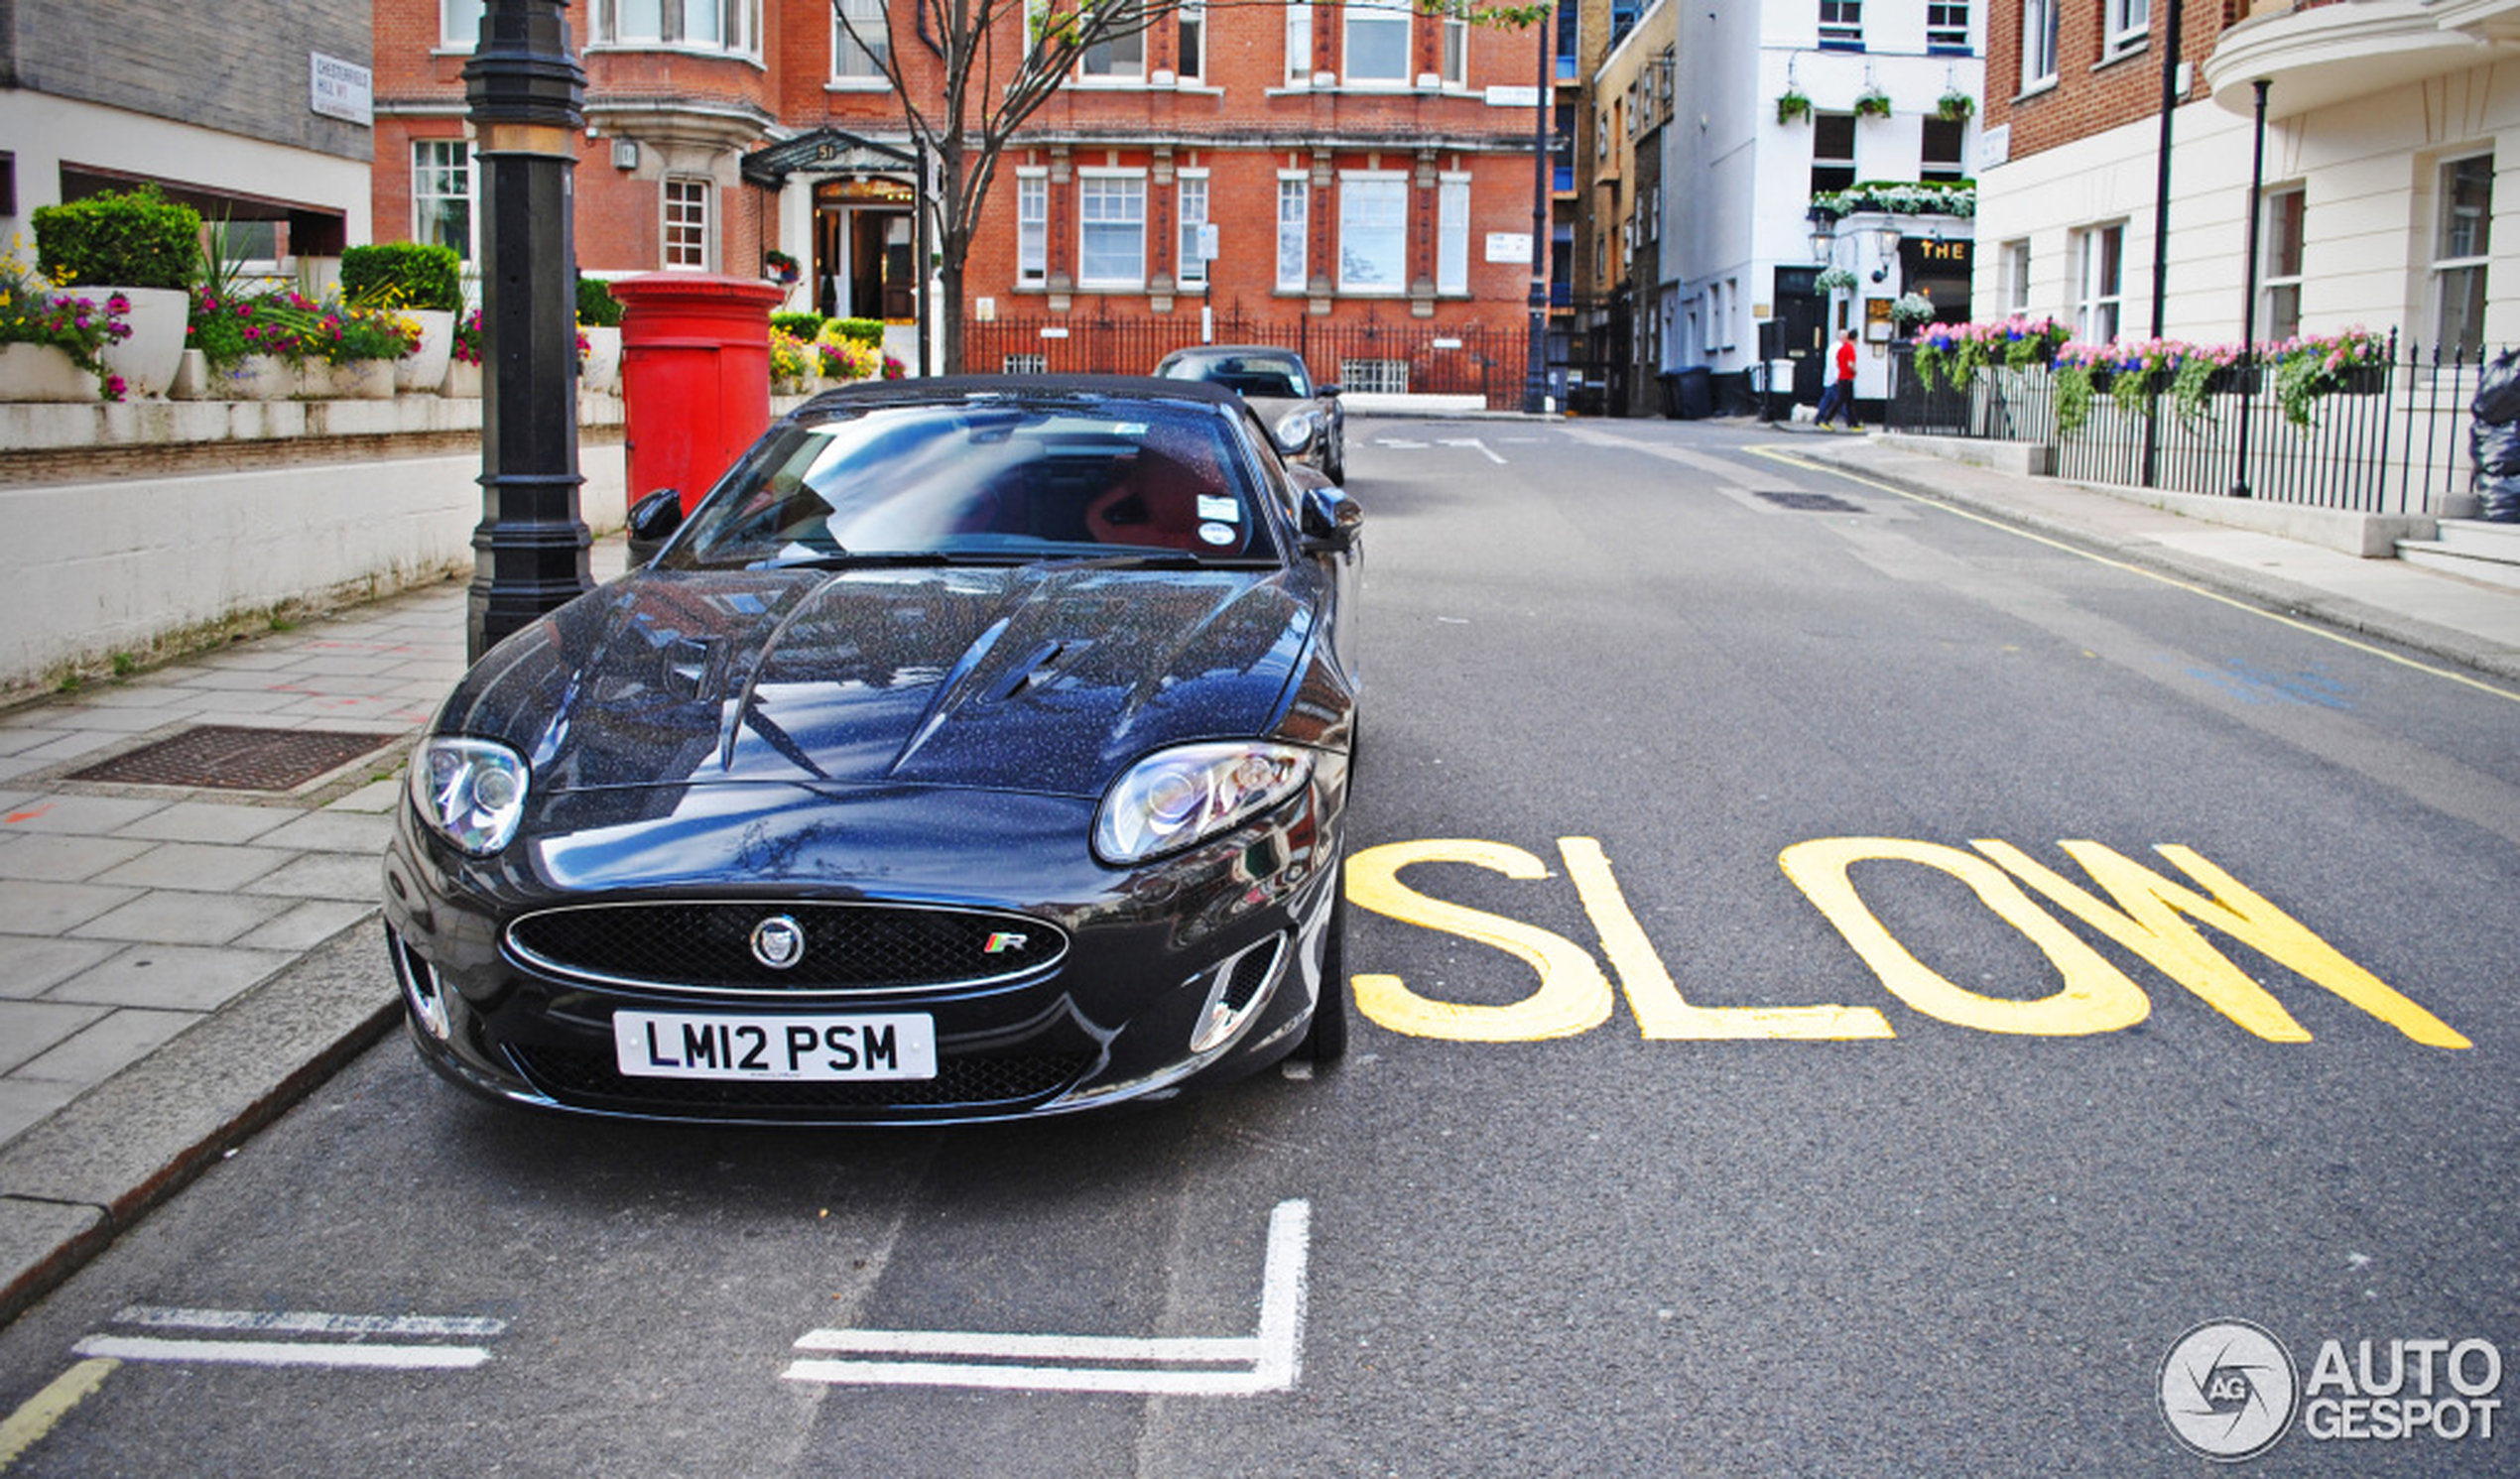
[(695, 376)]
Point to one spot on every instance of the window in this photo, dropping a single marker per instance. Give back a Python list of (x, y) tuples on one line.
[(859, 48), (1194, 202), (441, 195), (2038, 44), (1026, 364), (2459, 244), (1946, 25), (1569, 50), (1374, 233), (1939, 157), (2281, 279), (2128, 21), (1294, 211), (1111, 221), (1120, 57), (2012, 277), (1299, 41), (1190, 49), (460, 24), (2100, 281), (1457, 48), (1842, 24), (1031, 228), (686, 224), (1833, 151), (1377, 43), (1377, 377), (699, 25), (1452, 234)]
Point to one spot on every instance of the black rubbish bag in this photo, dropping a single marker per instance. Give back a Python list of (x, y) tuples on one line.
[(2498, 500), (2494, 438)]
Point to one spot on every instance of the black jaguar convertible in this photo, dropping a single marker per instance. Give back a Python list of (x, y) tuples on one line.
[(978, 748)]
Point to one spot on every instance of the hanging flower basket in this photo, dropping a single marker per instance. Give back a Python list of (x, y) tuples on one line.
[(1832, 279), (1873, 102), (1792, 106), (1954, 106)]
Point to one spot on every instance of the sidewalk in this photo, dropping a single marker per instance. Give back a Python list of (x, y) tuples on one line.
[(180, 964)]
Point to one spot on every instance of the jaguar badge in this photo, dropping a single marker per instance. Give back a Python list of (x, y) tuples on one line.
[(778, 943)]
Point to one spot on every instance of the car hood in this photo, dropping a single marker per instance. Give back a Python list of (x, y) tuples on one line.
[(1038, 679)]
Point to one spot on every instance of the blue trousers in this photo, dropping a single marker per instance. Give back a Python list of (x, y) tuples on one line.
[(1838, 399)]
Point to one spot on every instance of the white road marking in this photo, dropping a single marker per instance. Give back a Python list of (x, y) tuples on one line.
[(1267, 1362), (298, 1322), (282, 1353), (1411, 446), (1483, 448)]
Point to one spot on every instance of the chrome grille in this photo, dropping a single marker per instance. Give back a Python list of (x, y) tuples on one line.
[(708, 946)]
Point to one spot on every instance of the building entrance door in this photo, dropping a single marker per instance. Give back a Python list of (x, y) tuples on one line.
[(863, 250)]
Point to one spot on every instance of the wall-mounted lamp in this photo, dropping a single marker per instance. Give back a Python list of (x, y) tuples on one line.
[(1885, 240), (625, 153), (1824, 229)]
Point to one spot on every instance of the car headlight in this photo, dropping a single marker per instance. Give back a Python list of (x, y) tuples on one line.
[(470, 792), (1297, 429), (1175, 797)]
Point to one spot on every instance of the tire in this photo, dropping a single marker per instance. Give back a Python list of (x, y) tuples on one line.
[(1335, 466), (1326, 1042)]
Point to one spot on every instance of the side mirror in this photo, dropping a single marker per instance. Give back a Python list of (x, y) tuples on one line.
[(1331, 520), (652, 520), (1330, 389)]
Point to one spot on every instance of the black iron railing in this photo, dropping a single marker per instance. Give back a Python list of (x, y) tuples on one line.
[(2390, 438), (1365, 355)]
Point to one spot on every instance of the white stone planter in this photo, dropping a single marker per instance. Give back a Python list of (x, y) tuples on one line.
[(256, 377), (192, 381), (463, 382), (601, 368), (356, 379), (425, 368), (40, 372), (148, 359)]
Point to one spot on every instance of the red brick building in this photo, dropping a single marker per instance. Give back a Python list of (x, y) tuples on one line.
[(1345, 166)]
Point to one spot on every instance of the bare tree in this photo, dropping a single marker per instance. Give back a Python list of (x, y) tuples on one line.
[(968, 74)]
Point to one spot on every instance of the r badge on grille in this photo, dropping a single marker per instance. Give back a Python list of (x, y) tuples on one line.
[(778, 941)]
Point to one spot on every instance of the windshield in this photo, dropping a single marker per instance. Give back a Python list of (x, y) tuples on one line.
[(1276, 377), (988, 482)]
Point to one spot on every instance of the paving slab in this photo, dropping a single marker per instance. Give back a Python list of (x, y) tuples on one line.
[(177, 916), (95, 1166), (171, 977), (32, 964), (197, 866)]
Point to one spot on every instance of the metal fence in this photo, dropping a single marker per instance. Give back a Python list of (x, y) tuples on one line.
[(1367, 354), (2392, 439)]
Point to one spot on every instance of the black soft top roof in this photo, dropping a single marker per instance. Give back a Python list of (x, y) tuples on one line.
[(945, 388)]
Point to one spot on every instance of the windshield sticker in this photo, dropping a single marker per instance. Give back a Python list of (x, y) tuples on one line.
[(1227, 509), (1216, 533)]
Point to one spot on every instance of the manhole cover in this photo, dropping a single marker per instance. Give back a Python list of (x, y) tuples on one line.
[(1809, 503), (236, 757)]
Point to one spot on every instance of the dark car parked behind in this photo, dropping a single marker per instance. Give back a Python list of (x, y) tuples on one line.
[(1309, 424)]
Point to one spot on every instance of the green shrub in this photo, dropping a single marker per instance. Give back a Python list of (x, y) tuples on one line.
[(806, 326), (596, 307), (403, 275), (862, 330), (133, 239)]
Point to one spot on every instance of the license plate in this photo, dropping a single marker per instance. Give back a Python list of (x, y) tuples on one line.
[(787, 1050)]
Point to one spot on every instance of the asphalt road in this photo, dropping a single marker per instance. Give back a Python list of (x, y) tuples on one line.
[(1777, 1059)]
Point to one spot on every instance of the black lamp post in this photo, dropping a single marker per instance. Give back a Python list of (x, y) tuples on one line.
[(2248, 304), (1536, 359), (528, 95)]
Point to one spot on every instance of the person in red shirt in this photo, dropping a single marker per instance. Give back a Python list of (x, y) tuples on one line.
[(1841, 393)]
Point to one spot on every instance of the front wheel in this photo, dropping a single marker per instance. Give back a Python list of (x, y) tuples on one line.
[(1326, 1039)]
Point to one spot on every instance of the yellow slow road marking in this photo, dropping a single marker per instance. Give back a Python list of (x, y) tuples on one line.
[(1776, 454), (27, 1425)]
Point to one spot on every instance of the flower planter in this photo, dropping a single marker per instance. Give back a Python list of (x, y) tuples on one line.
[(463, 382), (425, 368), (148, 359), (42, 372), (601, 368), (192, 378), (2362, 380), (2235, 380), (351, 380), (256, 377)]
